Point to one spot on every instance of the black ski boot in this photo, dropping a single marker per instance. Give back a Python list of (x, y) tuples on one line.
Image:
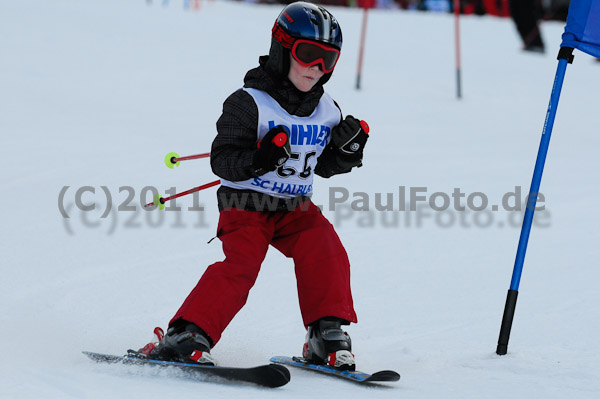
[(326, 343), (184, 342)]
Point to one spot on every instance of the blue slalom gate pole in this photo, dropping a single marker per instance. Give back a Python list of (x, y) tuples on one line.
[(565, 57)]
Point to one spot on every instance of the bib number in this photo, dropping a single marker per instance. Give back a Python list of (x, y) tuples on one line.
[(284, 172)]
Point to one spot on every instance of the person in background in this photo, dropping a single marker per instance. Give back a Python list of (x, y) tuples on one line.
[(526, 14)]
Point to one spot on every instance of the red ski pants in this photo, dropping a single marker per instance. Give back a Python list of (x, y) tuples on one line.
[(321, 265)]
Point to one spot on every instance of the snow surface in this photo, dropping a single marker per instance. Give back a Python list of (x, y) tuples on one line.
[(95, 93)]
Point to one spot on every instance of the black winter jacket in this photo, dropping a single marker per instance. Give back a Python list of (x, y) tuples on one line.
[(234, 147)]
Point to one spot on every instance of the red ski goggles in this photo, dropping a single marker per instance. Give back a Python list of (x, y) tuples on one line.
[(309, 53)]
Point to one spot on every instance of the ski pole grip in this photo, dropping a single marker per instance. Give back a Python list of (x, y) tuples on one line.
[(280, 139), (365, 127)]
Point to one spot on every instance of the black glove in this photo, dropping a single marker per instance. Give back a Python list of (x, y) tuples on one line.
[(273, 151), (350, 136)]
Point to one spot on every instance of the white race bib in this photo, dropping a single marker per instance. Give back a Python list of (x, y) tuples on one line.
[(308, 137)]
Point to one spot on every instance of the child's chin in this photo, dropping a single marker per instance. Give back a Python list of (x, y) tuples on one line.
[(307, 87)]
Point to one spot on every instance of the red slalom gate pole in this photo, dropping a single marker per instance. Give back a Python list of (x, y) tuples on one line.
[(161, 200), (361, 50), (457, 47)]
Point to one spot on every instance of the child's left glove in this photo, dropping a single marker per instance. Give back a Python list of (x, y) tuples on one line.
[(350, 136)]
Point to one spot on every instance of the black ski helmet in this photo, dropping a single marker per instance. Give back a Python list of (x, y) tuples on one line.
[(301, 20)]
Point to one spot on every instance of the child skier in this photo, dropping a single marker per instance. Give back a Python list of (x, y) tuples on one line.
[(274, 134)]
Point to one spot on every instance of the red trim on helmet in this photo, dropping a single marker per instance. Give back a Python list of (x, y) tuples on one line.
[(282, 36), (287, 16)]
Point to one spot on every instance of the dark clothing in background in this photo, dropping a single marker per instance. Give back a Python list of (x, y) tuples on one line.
[(526, 14)]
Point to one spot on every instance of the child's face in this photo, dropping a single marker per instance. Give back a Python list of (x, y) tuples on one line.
[(304, 78)]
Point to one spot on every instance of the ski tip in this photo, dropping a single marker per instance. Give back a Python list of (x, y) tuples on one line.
[(280, 369), (278, 375), (355, 376), (384, 375), (91, 355)]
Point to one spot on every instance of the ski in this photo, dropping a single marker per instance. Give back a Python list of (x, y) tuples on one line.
[(355, 376), (270, 375)]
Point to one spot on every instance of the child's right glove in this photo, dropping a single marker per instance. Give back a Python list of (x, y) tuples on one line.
[(273, 151), (350, 136)]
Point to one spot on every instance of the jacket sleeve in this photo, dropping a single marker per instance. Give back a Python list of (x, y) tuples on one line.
[(333, 162), (235, 145)]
